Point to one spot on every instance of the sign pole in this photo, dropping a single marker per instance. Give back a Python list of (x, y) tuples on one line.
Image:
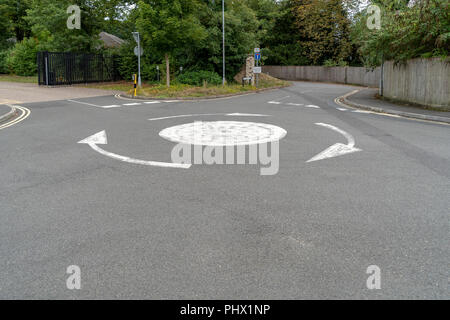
[(223, 42), (139, 60)]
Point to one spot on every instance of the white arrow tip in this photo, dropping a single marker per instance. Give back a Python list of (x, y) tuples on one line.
[(335, 150), (98, 138)]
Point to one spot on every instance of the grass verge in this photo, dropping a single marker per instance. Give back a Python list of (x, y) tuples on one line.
[(177, 90), (14, 78)]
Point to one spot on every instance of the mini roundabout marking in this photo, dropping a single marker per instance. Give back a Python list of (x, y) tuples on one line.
[(221, 134)]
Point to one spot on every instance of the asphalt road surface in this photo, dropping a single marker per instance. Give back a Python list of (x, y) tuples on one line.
[(310, 231)]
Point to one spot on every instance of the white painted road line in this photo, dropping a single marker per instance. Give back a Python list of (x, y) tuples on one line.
[(132, 104), (246, 115), (113, 106), (85, 103), (337, 149), (295, 104), (312, 106), (152, 102), (101, 138), (342, 109), (211, 114)]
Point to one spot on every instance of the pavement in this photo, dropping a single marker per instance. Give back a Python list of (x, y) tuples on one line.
[(17, 93), (366, 99), (353, 189)]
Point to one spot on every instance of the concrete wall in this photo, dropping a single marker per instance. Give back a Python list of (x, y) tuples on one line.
[(347, 75), (421, 81)]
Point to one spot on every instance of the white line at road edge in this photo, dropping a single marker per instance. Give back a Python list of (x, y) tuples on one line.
[(337, 149), (101, 138), (25, 114), (211, 114)]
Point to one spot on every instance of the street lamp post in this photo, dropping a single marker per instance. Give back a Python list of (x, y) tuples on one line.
[(223, 42)]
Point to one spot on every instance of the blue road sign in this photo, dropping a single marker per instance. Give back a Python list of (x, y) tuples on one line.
[(258, 56)]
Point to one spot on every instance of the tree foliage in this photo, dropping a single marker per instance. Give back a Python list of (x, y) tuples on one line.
[(421, 29)]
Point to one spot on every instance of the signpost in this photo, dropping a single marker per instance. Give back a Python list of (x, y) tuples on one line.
[(138, 51), (257, 68)]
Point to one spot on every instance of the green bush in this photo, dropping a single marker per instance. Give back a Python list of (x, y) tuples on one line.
[(197, 78), (3, 65), (22, 58)]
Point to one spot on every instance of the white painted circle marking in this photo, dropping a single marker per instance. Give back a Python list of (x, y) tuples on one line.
[(223, 133)]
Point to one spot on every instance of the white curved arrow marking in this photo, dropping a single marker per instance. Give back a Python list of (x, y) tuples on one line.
[(337, 149), (100, 138)]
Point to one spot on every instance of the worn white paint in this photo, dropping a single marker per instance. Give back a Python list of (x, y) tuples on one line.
[(294, 104), (223, 133), (112, 106), (85, 103), (337, 149), (101, 138), (132, 104), (211, 114)]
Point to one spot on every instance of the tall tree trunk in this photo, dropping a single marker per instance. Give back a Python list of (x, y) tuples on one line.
[(167, 71)]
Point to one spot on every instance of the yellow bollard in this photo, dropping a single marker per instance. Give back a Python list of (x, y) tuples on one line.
[(135, 82)]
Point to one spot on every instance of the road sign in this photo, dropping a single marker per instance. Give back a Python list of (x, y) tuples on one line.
[(136, 51), (257, 56), (136, 36), (257, 50), (257, 70)]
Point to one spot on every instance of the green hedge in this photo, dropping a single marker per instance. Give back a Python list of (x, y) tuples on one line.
[(3, 64), (197, 78), (22, 58)]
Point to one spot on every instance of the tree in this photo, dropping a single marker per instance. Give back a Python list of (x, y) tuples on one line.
[(324, 26), (168, 25), (283, 43), (52, 32), (408, 30), (241, 27)]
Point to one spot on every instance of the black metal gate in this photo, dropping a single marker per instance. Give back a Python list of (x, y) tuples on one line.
[(65, 68)]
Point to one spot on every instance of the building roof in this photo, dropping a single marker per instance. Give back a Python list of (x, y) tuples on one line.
[(110, 40)]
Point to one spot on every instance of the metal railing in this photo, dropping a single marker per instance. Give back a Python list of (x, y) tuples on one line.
[(66, 68)]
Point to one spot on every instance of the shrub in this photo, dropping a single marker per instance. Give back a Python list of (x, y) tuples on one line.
[(3, 65), (22, 58), (197, 78)]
